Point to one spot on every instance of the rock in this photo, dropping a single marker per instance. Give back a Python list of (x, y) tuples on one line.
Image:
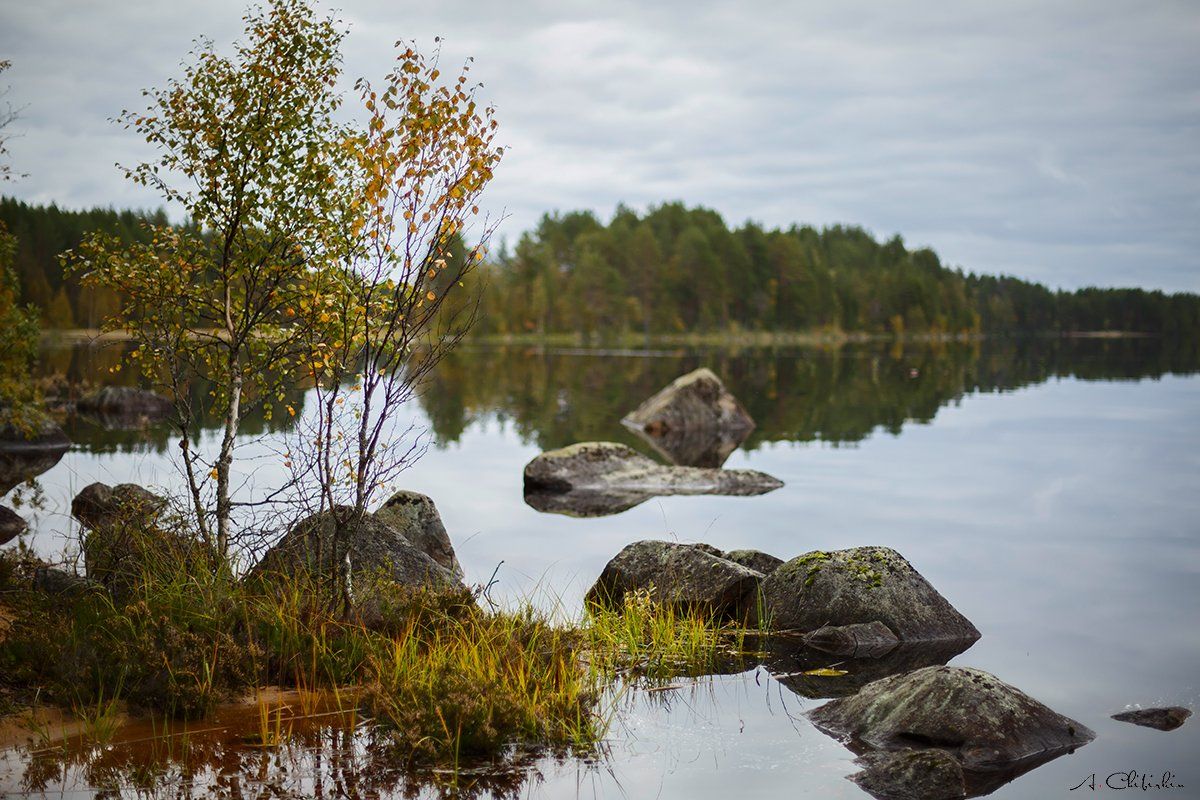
[(695, 401), (689, 576), (862, 640), (12, 525), (1163, 719), (126, 401), (981, 721), (803, 669), (861, 585), (416, 517), (755, 560), (51, 580), (599, 476), (98, 505), (912, 775), (373, 548), (125, 542)]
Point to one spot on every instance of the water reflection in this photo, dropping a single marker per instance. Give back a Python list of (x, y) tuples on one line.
[(555, 398)]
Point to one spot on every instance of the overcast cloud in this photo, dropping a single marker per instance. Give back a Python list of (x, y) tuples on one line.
[(1058, 141)]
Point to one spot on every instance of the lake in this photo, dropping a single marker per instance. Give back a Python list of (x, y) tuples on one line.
[(1048, 488)]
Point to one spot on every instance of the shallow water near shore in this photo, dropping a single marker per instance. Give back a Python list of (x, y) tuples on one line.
[(1047, 489)]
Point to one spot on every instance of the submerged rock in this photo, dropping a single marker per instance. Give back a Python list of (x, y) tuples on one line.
[(372, 547), (416, 517), (972, 715), (691, 576), (596, 478), (1163, 719), (12, 525), (912, 775), (755, 560), (861, 585), (862, 640)]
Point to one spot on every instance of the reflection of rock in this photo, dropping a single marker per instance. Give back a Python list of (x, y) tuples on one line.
[(692, 576), (605, 477), (28, 451), (788, 659), (12, 525), (861, 585), (417, 519), (694, 421), (694, 447), (864, 640), (124, 407), (912, 775), (995, 731), (1163, 719)]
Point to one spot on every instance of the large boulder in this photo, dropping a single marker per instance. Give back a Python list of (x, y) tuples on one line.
[(694, 577), (694, 421), (319, 547), (125, 407), (416, 517), (127, 401), (983, 722), (861, 585), (590, 478), (695, 401), (126, 540), (12, 525)]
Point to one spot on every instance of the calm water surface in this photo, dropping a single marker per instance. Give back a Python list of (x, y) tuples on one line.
[(1048, 490)]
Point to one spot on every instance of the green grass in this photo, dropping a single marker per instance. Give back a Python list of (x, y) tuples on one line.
[(447, 681)]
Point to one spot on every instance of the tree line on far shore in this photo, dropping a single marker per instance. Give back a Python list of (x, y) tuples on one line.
[(676, 270)]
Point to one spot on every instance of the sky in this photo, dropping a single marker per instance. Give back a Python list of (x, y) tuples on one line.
[(1058, 141)]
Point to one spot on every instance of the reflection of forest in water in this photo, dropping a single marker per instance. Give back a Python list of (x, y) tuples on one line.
[(554, 397)]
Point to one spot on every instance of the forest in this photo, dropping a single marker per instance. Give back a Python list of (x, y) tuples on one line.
[(673, 270)]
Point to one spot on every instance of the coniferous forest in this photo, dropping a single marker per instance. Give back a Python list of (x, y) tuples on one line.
[(676, 269)]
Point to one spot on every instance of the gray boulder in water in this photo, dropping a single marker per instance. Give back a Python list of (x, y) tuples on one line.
[(857, 586), (416, 517), (595, 478), (694, 577), (694, 421), (983, 722)]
